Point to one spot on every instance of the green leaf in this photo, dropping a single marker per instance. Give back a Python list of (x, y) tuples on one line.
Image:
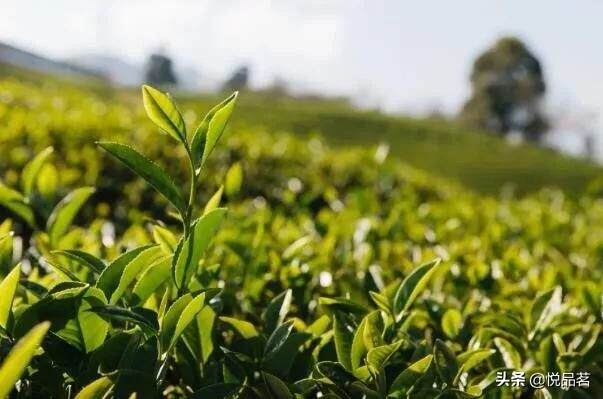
[(215, 391), (381, 301), (445, 361), (296, 247), (93, 328), (164, 113), (109, 279), (205, 323), (31, 170), (170, 320), (413, 285), (61, 269), (372, 334), (214, 201), (358, 349), (405, 380), (380, 355), (277, 339), (545, 306), (469, 360), (509, 354), (151, 280), (189, 313), (123, 314), (97, 389), (210, 130), (245, 328), (8, 287), (148, 170), (165, 238), (343, 336), (333, 305), (146, 259), (277, 310), (6, 250), (19, 357), (59, 307), (47, 180), (187, 256), (452, 321), (83, 258), (63, 214), (234, 180), (14, 201), (277, 388), (320, 326)]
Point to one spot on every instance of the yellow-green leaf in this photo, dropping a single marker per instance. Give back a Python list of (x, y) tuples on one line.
[(61, 217), (97, 389), (210, 130), (19, 357), (148, 170), (164, 113), (31, 170), (8, 287), (245, 328)]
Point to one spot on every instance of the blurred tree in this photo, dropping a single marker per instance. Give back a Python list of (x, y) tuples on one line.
[(507, 88), (239, 79), (159, 71)]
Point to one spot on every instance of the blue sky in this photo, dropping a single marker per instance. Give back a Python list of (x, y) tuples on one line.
[(402, 55)]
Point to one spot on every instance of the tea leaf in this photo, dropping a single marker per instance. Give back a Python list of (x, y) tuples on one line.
[(14, 201), (151, 279), (164, 113), (109, 279), (452, 322), (97, 389), (146, 259), (210, 130), (245, 328), (445, 361), (277, 310), (187, 316), (214, 201), (187, 256), (215, 391), (409, 376), (83, 258), (31, 170), (93, 328), (63, 214), (234, 180), (171, 318), (509, 354), (413, 285), (379, 356), (19, 357), (277, 388), (8, 287), (277, 339), (344, 337), (148, 170)]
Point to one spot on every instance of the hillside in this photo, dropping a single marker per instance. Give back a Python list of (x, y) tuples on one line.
[(480, 161)]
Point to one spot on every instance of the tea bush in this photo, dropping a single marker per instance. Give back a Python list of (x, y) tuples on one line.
[(328, 273)]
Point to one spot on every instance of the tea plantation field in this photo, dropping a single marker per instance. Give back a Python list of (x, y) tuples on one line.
[(158, 251)]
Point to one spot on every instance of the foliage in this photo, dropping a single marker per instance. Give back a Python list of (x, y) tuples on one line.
[(38, 112), (333, 273), (507, 86)]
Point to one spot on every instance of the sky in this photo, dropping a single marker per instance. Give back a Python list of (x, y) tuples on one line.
[(410, 56)]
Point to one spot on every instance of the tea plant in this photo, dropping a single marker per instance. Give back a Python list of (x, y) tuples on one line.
[(302, 295)]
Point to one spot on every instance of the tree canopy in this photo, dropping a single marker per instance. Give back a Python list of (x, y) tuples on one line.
[(507, 85)]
